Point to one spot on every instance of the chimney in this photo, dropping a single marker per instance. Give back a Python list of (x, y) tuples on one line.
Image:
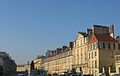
[(89, 32), (59, 50), (111, 31), (64, 47), (71, 45)]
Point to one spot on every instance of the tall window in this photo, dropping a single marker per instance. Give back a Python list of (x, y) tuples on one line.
[(95, 53), (85, 50), (81, 53), (104, 45), (77, 56), (85, 53), (113, 45), (89, 64), (93, 45), (77, 43), (77, 52), (117, 59), (98, 46), (89, 55), (92, 54), (89, 47), (92, 64), (108, 45), (81, 42), (95, 63)]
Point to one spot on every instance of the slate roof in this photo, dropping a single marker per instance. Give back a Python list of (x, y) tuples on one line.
[(102, 37), (83, 33)]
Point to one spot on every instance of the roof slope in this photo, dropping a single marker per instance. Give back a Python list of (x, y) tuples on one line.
[(102, 37)]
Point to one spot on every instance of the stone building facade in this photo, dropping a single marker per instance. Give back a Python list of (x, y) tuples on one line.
[(7, 65), (22, 68), (59, 60), (90, 53), (37, 62)]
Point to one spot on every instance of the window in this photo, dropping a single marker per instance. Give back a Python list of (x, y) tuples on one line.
[(81, 52), (93, 45), (89, 55), (89, 64), (92, 65), (113, 45), (81, 49), (78, 52), (81, 42), (101, 44), (85, 50), (95, 63), (95, 53), (89, 47), (108, 45), (77, 43), (85, 40), (104, 45), (92, 54), (117, 59), (98, 46), (119, 70)]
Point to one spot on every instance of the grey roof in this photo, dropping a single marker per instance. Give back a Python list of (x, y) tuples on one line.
[(83, 33), (100, 26)]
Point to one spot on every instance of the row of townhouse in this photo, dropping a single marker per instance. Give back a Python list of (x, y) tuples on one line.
[(58, 61), (23, 69), (7, 65), (92, 52)]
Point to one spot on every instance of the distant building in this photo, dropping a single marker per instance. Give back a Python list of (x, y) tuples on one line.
[(37, 62), (23, 68), (59, 60), (7, 65)]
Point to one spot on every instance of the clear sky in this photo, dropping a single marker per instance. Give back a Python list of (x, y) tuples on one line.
[(29, 27)]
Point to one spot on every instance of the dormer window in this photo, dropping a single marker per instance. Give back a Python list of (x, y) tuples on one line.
[(109, 46), (98, 46), (104, 45), (113, 45), (81, 42), (93, 45)]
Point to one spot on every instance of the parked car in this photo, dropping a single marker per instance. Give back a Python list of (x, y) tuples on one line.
[(20, 74)]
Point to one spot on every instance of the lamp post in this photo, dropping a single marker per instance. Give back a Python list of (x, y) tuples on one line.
[(73, 68), (81, 71)]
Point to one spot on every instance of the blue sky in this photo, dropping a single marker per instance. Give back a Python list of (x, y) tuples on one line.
[(29, 27)]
